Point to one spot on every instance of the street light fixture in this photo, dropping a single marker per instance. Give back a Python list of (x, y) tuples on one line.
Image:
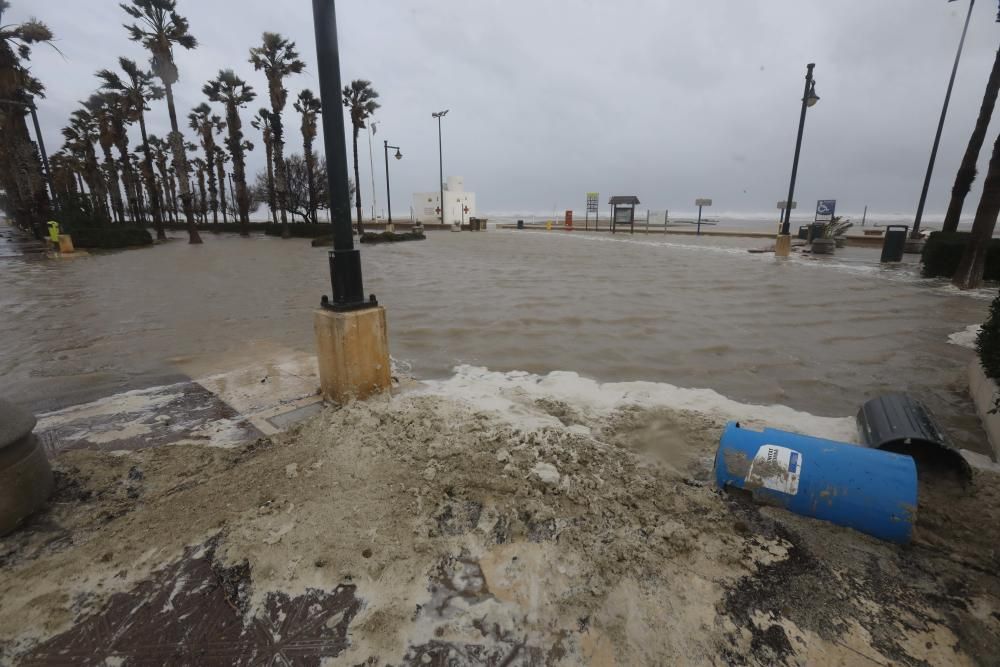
[(439, 115), (809, 98), (30, 104), (388, 197)]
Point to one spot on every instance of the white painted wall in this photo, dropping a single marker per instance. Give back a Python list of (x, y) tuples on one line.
[(459, 205)]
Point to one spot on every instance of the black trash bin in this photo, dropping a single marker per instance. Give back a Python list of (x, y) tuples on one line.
[(520, 224), (895, 242), (816, 230), (804, 232)]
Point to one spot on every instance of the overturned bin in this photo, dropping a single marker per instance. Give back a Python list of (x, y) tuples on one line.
[(25, 474), (870, 490), (902, 424)]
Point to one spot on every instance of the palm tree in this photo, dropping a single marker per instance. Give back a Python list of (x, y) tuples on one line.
[(206, 124), (967, 170), (118, 115), (21, 175), (360, 98), (158, 28), (309, 106), (81, 134), (277, 57), (969, 274), (200, 167), (138, 90), (158, 151), (234, 93), (262, 122), (101, 108)]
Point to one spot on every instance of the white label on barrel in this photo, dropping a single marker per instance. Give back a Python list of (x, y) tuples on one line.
[(776, 468)]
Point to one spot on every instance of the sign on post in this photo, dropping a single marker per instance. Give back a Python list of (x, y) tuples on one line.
[(591, 208), (699, 203), (781, 204), (825, 209)]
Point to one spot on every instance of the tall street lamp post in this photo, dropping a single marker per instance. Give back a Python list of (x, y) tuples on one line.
[(937, 136), (345, 259), (388, 196), (439, 115), (809, 98), (30, 104)]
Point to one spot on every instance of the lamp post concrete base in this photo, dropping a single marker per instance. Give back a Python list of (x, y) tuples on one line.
[(783, 245), (353, 352), (25, 474), (913, 246)]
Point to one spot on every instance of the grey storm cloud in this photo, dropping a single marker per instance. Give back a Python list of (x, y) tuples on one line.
[(551, 99)]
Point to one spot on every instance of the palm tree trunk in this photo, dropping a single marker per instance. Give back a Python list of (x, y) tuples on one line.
[(310, 181), (970, 270), (357, 184), (271, 201), (154, 195), (280, 181), (114, 187), (222, 190), (213, 192), (181, 166), (967, 171)]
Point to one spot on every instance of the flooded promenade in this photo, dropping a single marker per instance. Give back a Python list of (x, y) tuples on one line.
[(819, 335)]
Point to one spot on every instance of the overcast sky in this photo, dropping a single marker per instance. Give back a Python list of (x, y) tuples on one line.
[(549, 99)]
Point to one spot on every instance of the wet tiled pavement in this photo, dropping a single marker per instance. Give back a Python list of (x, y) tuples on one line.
[(192, 613)]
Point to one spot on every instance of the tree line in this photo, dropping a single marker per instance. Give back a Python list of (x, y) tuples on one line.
[(98, 179)]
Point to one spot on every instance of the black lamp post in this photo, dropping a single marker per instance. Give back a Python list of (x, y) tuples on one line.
[(30, 104), (345, 260), (809, 98), (937, 136), (388, 197), (439, 115)]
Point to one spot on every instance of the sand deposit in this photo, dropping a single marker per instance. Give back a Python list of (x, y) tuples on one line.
[(587, 539)]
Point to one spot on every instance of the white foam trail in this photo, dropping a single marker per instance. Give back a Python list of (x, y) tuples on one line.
[(966, 337), (512, 397)]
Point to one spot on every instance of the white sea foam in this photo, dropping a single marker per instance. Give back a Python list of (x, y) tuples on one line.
[(513, 396), (966, 337)]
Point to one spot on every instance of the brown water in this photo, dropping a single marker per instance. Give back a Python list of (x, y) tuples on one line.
[(816, 334)]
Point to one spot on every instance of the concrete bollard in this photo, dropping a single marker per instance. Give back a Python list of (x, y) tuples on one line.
[(25, 474)]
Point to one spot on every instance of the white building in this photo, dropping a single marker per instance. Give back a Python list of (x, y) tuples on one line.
[(459, 205)]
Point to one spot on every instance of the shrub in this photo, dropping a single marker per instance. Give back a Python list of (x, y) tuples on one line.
[(301, 230), (988, 341), (391, 237), (943, 251), (110, 236)]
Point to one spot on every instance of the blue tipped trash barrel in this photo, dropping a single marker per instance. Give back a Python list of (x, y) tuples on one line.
[(870, 490)]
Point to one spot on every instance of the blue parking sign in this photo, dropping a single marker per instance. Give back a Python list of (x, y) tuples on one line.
[(825, 209)]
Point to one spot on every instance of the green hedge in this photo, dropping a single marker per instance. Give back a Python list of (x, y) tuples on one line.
[(110, 237), (943, 251), (391, 237), (301, 230), (988, 344)]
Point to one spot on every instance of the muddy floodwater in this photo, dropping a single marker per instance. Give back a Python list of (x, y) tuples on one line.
[(817, 334)]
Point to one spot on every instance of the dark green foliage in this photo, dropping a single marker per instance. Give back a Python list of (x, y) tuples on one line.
[(943, 252), (301, 230), (111, 236), (391, 237), (988, 347)]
